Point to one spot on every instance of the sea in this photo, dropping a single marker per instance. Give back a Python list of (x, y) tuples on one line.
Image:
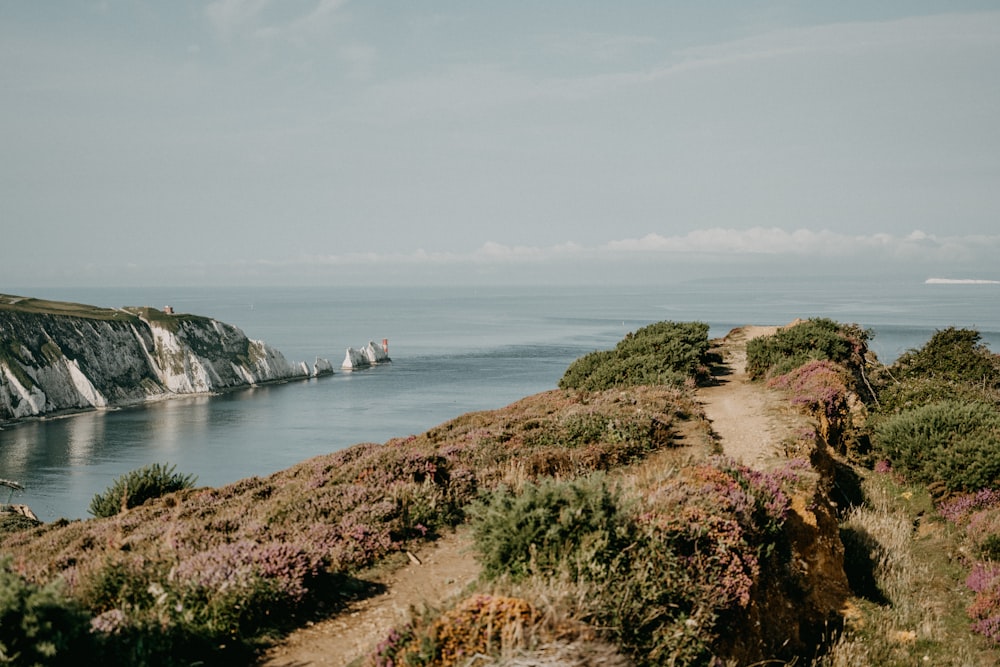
[(454, 349)]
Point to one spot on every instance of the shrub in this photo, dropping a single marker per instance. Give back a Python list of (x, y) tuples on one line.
[(38, 625), (813, 340), (667, 353), (136, 487), (11, 522), (915, 391), (663, 572), (549, 524), (955, 444), (952, 354)]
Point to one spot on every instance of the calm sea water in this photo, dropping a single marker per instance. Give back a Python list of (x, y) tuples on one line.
[(454, 350)]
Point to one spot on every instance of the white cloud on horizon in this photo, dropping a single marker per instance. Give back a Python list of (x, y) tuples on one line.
[(748, 243)]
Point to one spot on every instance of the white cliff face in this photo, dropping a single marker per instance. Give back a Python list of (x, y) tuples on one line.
[(18, 400), (53, 362), (369, 355)]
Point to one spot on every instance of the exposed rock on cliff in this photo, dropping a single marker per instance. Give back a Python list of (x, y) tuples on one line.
[(59, 356)]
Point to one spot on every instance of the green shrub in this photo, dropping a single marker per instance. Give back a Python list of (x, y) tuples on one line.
[(665, 353), (549, 524), (136, 487), (815, 339), (915, 391), (955, 444), (664, 571), (38, 626), (954, 355), (11, 522)]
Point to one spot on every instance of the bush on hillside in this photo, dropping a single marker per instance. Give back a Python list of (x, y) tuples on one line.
[(953, 365), (665, 353), (38, 626), (136, 487), (953, 355), (578, 523), (949, 443), (663, 571), (815, 339), (914, 392)]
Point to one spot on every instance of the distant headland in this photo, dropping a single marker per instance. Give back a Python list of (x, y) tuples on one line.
[(61, 357)]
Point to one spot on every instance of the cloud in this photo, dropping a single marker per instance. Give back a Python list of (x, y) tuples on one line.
[(770, 242), (270, 20), (602, 47), (232, 17)]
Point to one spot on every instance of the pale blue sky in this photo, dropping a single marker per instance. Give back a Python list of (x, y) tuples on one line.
[(335, 142)]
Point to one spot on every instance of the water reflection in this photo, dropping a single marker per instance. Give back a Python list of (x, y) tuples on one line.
[(83, 436)]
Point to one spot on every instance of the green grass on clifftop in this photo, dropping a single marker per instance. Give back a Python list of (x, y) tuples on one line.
[(19, 304)]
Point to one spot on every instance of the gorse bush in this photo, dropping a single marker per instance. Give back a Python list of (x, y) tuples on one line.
[(953, 355), (956, 445), (661, 568), (547, 525), (38, 626), (813, 340), (136, 487), (667, 353), (953, 365)]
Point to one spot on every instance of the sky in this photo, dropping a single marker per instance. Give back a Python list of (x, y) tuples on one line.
[(330, 142)]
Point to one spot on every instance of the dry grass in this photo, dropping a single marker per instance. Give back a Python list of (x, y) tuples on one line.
[(913, 608)]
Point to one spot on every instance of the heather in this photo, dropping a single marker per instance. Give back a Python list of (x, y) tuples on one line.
[(608, 527), (654, 571), (817, 386), (212, 573)]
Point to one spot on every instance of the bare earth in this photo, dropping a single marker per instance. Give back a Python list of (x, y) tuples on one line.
[(751, 424), (446, 568)]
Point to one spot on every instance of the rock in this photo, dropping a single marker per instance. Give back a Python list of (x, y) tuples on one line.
[(370, 355), (322, 367)]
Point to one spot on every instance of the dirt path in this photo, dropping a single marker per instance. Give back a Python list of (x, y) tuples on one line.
[(445, 569), (750, 423)]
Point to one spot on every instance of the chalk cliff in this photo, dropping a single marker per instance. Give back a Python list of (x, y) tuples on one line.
[(58, 356)]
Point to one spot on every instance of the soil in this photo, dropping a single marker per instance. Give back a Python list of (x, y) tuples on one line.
[(753, 425), (750, 422), (442, 571)]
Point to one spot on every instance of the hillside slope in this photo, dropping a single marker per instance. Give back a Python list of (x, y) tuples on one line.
[(749, 423)]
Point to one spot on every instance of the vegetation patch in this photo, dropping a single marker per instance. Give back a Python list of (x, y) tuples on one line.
[(136, 487), (16, 304), (174, 579), (815, 339), (665, 353), (38, 625), (954, 446)]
